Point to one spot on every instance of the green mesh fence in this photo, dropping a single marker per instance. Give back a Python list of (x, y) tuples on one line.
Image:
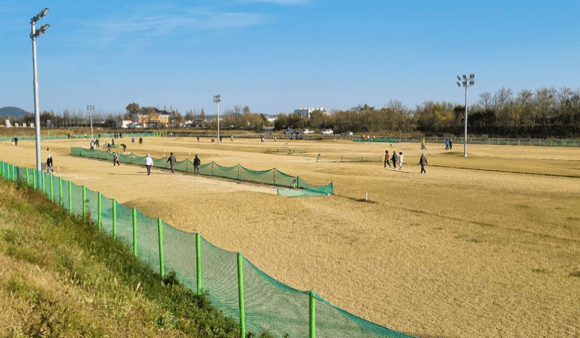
[(237, 172), (63, 137), (270, 306)]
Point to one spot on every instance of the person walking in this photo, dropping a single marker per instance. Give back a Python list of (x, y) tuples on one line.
[(148, 163), (116, 159), (387, 159), (49, 164), (196, 164), (140, 140), (394, 159), (172, 162), (423, 163), (446, 144), (450, 144), (401, 157), (423, 144)]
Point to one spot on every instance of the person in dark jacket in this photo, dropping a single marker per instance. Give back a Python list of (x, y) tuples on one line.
[(196, 163), (49, 165), (423, 163), (172, 162), (394, 158)]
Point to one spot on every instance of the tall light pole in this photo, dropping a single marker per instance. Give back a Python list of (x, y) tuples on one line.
[(466, 82), (217, 99), (33, 35), (91, 109)]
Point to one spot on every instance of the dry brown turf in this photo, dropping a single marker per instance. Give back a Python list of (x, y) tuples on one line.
[(484, 246)]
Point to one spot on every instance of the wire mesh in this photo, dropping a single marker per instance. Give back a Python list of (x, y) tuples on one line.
[(125, 224), (148, 240), (179, 253)]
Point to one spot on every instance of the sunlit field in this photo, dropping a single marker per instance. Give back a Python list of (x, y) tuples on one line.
[(483, 246)]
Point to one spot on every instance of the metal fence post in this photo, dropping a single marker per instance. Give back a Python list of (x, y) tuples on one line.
[(34, 178), (114, 219), (135, 231), (100, 212), (84, 203), (70, 183), (51, 189), (241, 295), (198, 262), (312, 320), (161, 260), (60, 202)]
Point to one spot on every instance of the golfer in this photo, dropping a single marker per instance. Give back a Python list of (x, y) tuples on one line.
[(387, 159), (172, 162), (148, 163), (196, 163), (116, 159), (124, 146)]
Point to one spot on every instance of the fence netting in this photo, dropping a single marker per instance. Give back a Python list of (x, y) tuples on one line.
[(237, 172), (270, 306)]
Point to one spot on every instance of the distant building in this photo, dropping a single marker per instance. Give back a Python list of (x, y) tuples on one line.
[(160, 116), (124, 124), (7, 123), (307, 112)]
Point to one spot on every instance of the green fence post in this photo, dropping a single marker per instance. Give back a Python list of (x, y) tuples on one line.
[(60, 202), (34, 178), (44, 183), (135, 231), (51, 189), (114, 219), (13, 172), (212, 168), (241, 295), (70, 183), (238, 171), (161, 260), (198, 262), (100, 212), (274, 176), (312, 320), (84, 202)]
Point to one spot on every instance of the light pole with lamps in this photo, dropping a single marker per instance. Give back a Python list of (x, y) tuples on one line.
[(91, 109), (466, 82), (33, 35), (217, 99)]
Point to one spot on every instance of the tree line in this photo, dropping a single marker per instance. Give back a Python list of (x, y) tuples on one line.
[(543, 113)]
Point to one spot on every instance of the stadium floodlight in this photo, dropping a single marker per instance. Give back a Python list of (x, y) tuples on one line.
[(466, 84), (33, 35), (217, 99), (42, 30), (458, 84), (91, 109), (458, 78)]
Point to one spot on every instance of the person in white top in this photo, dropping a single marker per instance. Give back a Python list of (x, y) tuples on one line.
[(401, 160), (148, 163)]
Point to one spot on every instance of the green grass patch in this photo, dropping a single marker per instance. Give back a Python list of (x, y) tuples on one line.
[(65, 278)]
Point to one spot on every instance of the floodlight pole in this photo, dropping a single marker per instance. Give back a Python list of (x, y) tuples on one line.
[(91, 109), (33, 35), (467, 82), (217, 99)]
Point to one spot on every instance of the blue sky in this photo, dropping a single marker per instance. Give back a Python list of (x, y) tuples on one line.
[(278, 55)]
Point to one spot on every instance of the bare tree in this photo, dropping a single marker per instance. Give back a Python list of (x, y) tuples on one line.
[(524, 96), (503, 96), (485, 100)]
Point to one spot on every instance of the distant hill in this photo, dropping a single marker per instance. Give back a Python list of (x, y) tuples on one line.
[(12, 111)]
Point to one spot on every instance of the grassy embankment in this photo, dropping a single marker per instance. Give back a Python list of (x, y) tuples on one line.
[(60, 278)]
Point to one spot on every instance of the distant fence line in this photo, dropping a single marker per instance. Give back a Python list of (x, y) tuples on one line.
[(490, 141), (235, 285), (75, 136)]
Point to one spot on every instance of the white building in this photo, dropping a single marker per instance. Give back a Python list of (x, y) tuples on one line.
[(124, 124), (307, 112)]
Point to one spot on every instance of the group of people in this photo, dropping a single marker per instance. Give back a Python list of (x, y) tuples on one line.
[(448, 144), (14, 141), (172, 161), (400, 159)]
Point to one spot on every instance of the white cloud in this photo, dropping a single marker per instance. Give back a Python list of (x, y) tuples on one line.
[(174, 21)]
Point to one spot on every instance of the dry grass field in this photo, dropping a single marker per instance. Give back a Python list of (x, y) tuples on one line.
[(484, 246)]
